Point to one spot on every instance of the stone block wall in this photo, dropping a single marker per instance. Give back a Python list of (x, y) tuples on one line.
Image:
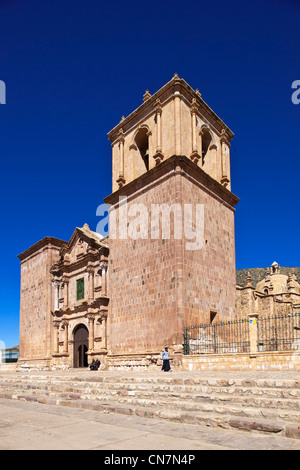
[(156, 286), (37, 301)]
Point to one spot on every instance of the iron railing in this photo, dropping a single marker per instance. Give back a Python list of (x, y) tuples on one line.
[(278, 332), (216, 338)]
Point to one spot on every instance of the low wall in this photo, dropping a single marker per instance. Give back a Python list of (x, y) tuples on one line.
[(136, 361), (275, 360), (10, 366)]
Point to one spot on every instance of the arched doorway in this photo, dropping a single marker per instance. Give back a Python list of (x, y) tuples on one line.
[(81, 344)]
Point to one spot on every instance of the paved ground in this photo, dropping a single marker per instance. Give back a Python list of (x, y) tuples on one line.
[(33, 426)]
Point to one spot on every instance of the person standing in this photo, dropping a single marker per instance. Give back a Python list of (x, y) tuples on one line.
[(166, 360)]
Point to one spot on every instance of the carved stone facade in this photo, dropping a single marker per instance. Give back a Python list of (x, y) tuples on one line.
[(75, 315), (80, 299), (277, 293), (122, 299)]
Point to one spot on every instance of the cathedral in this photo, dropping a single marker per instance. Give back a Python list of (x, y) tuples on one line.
[(168, 261)]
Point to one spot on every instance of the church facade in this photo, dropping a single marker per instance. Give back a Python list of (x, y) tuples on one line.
[(169, 259), (269, 292)]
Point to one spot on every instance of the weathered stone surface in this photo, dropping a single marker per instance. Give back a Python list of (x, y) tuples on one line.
[(165, 398), (247, 425), (293, 431)]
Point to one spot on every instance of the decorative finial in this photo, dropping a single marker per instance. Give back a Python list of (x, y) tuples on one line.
[(249, 279), (175, 77), (122, 118), (198, 92), (146, 96)]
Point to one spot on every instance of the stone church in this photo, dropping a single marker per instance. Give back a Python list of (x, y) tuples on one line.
[(123, 298), (271, 291)]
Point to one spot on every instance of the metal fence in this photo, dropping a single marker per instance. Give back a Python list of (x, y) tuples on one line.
[(278, 333), (274, 333), (216, 338)]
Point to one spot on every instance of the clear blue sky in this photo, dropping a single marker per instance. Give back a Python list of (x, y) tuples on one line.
[(72, 68)]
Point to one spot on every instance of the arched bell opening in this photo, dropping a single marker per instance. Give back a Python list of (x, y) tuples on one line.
[(206, 142), (142, 143)]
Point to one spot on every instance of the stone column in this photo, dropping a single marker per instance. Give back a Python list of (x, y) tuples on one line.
[(177, 121), (200, 147), (224, 159), (158, 157), (103, 269), (91, 284), (213, 149), (253, 333), (195, 157), (149, 135), (56, 337), (194, 123), (91, 320), (56, 294), (104, 328), (66, 326), (66, 293), (121, 179)]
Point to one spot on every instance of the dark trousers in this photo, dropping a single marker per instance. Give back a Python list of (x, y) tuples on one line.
[(166, 365)]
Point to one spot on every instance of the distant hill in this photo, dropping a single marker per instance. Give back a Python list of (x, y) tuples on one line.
[(260, 273)]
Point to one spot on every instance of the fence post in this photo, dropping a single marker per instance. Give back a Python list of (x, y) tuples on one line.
[(185, 342), (253, 333)]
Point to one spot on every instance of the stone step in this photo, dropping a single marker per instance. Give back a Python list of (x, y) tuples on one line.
[(161, 380), (264, 403), (282, 389), (224, 405), (170, 397), (273, 397), (211, 418)]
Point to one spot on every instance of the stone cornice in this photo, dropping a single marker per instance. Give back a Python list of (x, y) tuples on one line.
[(84, 306), (45, 242), (66, 268), (166, 169), (174, 85)]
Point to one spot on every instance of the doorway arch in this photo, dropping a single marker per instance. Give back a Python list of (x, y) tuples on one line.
[(81, 344)]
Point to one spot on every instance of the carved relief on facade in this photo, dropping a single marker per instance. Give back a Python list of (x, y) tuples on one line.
[(79, 281)]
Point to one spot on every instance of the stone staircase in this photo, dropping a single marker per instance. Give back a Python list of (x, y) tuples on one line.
[(260, 402)]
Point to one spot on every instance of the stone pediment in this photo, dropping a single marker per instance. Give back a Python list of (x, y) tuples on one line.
[(82, 241)]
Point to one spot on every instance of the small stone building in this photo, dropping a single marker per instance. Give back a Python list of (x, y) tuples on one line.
[(168, 262)]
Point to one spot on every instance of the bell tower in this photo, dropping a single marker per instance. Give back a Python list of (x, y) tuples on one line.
[(172, 248), (173, 121)]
